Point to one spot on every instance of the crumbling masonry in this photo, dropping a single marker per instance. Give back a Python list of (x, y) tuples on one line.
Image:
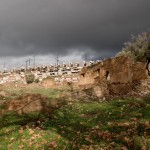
[(117, 73)]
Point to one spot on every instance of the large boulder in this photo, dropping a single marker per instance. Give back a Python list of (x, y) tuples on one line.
[(98, 91)]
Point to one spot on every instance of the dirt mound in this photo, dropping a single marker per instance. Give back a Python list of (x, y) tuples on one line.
[(29, 103), (86, 93), (119, 89)]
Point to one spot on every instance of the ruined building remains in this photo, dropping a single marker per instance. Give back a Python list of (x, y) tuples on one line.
[(114, 70), (119, 76)]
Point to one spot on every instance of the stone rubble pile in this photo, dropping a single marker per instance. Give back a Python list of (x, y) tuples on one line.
[(144, 88)]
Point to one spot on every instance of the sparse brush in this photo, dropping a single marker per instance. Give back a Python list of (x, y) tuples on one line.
[(30, 78)]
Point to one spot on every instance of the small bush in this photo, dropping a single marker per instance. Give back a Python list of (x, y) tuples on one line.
[(36, 80), (30, 78)]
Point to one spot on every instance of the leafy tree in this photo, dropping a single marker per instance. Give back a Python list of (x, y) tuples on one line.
[(138, 48)]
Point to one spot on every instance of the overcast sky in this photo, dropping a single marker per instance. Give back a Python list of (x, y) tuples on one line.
[(72, 29)]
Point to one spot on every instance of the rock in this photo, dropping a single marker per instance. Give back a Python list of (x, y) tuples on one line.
[(3, 94), (98, 91), (29, 103)]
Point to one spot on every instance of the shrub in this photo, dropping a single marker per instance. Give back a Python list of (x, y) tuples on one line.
[(138, 48), (36, 80), (30, 78)]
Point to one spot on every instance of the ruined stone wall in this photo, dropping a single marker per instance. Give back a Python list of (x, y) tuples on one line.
[(139, 72), (113, 70), (120, 70), (87, 76)]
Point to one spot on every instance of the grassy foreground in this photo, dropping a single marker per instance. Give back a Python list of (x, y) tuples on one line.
[(119, 124)]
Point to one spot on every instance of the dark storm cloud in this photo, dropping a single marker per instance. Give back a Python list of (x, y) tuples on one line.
[(99, 27)]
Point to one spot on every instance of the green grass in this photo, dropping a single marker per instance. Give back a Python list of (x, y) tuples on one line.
[(50, 93), (17, 91), (80, 125)]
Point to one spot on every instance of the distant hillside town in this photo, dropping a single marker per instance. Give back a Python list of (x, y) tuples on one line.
[(65, 71)]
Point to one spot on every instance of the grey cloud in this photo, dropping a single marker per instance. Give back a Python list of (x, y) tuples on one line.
[(44, 27)]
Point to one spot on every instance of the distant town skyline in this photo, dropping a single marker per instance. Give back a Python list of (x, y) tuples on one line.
[(73, 29), (11, 62)]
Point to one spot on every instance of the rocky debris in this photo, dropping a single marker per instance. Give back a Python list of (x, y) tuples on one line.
[(120, 88), (144, 88), (29, 103), (138, 89), (88, 93), (98, 91), (95, 93), (108, 91)]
